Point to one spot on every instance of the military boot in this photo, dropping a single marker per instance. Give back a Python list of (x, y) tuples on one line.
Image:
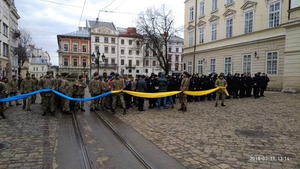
[(2, 114), (124, 111)]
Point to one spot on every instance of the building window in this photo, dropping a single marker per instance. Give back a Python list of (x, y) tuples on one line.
[(137, 71), (122, 51), (96, 38), (113, 61), (274, 14), (130, 63), (66, 47), (130, 52), (247, 64), (191, 38), (214, 5), (200, 66), (75, 47), (84, 62), (75, 62), (137, 63), (65, 61), (130, 42), (147, 53), (170, 49), (229, 2), (154, 63), (97, 48), (248, 22), (137, 52), (177, 50), (229, 27), (176, 58), (272, 61), (147, 62), (201, 35), (113, 40), (84, 49), (106, 39), (191, 16), (113, 50), (105, 49), (201, 11), (212, 65), (122, 41), (189, 67), (5, 30), (214, 31), (227, 65), (122, 62)]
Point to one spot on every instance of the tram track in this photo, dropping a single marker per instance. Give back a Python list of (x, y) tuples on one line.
[(89, 159)]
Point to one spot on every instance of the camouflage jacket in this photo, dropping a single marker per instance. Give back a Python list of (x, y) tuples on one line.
[(2, 90), (94, 87), (13, 86), (26, 85), (79, 87)]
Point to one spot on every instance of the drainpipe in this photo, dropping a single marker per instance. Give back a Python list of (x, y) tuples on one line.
[(195, 36)]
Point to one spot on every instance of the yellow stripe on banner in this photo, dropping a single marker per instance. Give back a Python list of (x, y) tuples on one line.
[(166, 94), (205, 92), (151, 95)]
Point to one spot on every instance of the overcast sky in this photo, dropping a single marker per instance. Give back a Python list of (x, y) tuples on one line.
[(45, 19)]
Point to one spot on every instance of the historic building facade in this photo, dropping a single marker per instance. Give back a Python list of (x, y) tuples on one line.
[(8, 37), (235, 36), (74, 52)]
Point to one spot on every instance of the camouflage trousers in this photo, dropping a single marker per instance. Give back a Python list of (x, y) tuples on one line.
[(48, 102), (115, 97), (26, 103), (65, 105), (218, 94), (33, 98), (94, 103), (183, 100), (13, 94), (79, 105)]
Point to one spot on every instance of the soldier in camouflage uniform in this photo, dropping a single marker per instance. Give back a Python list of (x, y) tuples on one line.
[(2, 95), (35, 87), (58, 81), (118, 84), (13, 89), (67, 89), (184, 86), (26, 87), (48, 97), (94, 89), (79, 87), (106, 88), (5, 80)]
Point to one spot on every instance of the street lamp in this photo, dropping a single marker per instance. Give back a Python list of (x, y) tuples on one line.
[(97, 59)]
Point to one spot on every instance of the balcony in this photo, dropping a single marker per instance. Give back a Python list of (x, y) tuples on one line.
[(130, 67), (108, 66), (16, 33)]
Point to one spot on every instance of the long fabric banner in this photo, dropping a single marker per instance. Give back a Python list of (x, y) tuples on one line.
[(137, 94)]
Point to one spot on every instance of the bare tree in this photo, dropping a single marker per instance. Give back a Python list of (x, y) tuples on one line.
[(24, 41), (157, 27)]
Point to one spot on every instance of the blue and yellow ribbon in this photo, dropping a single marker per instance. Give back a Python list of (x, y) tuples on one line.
[(133, 93)]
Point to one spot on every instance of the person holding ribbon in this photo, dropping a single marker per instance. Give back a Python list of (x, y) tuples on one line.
[(222, 83)]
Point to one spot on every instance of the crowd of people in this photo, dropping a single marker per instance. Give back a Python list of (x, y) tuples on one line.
[(238, 86)]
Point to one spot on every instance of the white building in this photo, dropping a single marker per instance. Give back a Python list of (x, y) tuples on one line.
[(104, 46), (39, 65), (175, 50)]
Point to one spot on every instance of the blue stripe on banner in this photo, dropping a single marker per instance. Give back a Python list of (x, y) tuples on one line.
[(22, 96)]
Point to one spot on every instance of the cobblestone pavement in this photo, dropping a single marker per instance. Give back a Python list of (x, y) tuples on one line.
[(27, 139), (247, 133)]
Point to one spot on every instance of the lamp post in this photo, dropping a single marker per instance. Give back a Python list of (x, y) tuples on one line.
[(97, 59)]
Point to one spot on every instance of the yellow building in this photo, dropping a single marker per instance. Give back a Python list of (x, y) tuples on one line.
[(244, 36)]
